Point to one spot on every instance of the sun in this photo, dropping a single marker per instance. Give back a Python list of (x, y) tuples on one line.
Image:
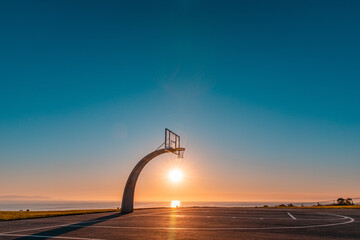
[(175, 175), (175, 203)]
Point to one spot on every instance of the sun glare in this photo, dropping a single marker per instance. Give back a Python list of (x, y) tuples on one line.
[(175, 203), (175, 175)]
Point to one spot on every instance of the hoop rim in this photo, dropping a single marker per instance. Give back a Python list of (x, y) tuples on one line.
[(175, 150)]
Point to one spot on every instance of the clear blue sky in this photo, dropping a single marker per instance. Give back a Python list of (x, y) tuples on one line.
[(262, 92)]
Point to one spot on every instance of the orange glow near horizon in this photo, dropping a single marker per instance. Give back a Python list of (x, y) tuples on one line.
[(202, 180)]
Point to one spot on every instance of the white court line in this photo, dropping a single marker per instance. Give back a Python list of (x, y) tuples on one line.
[(350, 220), (39, 228), (336, 215), (234, 217), (291, 216), (229, 228), (73, 223), (43, 236)]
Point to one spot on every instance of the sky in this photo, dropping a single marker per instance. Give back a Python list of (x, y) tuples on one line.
[(264, 94)]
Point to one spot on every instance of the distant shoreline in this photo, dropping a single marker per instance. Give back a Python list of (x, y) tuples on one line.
[(54, 205)]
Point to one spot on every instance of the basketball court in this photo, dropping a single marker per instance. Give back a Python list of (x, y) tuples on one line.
[(189, 223), (193, 223)]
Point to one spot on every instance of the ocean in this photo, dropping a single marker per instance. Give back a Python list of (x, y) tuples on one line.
[(71, 205)]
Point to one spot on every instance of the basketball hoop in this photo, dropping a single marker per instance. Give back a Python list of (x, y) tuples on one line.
[(172, 143)]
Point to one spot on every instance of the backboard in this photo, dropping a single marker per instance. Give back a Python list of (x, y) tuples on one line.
[(172, 141)]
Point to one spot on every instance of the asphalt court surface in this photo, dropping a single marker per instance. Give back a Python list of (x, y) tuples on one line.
[(193, 223)]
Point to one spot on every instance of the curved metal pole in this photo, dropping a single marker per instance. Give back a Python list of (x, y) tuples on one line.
[(127, 204)]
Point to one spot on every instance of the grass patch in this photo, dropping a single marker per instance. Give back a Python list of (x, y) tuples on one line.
[(14, 215), (329, 206)]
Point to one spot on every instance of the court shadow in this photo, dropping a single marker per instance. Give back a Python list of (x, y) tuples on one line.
[(69, 228)]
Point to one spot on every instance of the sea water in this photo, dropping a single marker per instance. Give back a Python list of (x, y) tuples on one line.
[(71, 205)]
